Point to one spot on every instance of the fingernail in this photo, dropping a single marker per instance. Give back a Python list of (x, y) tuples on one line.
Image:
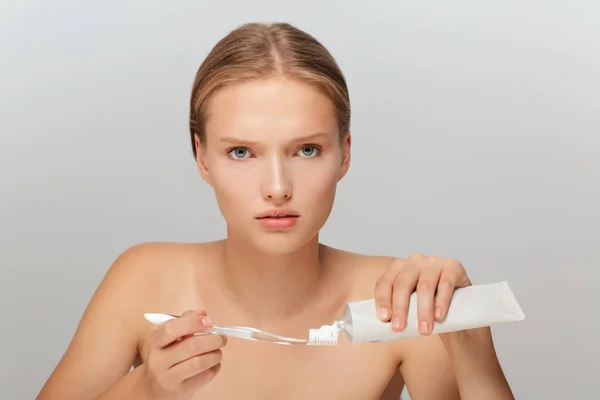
[(424, 327), (438, 312), (397, 323), (207, 321), (384, 313)]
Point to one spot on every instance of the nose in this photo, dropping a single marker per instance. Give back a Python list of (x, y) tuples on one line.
[(277, 186)]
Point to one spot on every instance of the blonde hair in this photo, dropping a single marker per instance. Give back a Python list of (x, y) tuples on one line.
[(260, 50)]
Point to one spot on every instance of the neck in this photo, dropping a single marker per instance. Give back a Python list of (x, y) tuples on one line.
[(271, 287)]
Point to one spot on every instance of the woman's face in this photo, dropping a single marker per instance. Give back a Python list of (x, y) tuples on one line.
[(273, 156)]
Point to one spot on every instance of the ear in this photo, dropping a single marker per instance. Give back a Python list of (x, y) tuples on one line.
[(201, 159), (346, 145)]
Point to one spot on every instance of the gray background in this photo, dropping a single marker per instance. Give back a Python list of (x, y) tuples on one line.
[(476, 135)]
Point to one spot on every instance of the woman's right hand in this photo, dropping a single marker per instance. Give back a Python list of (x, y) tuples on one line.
[(178, 363)]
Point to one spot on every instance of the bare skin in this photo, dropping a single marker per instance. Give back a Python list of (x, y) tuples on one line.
[(173, 278), (271, 145)]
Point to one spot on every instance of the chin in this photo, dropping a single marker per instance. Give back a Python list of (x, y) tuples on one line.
[(283, 242), (277, 244)]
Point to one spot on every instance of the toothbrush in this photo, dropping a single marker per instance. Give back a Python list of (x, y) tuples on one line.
[(471, 307), (327, 335)]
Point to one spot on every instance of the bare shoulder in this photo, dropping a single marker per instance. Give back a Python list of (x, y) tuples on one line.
[(108, 336), (170, 276), (157, 258), (153, 265), (360, 271)]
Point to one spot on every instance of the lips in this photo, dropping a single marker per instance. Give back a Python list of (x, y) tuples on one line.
[(278, 220), (278, 214)]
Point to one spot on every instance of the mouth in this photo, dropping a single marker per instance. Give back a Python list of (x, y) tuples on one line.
[(278, 214), (278, 220), (278, 217)]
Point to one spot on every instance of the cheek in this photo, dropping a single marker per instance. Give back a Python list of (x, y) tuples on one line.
[(233, 190), (320, 182)]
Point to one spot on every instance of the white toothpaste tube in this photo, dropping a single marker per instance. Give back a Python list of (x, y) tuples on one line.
[(470, 307)]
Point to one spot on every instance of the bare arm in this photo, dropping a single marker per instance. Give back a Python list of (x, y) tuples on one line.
[(130, 387), (104, 345), (458, 365), (427, 370), (476, 366)]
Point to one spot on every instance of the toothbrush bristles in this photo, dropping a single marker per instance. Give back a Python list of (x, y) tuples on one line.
[(323, 337)]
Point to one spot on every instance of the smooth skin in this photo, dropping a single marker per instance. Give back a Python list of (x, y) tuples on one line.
[(180, 360), (271, 144)]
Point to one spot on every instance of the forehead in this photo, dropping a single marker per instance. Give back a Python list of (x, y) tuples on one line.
[(275, 108)]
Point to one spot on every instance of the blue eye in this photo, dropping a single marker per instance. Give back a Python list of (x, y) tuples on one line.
[(308, 151), (239, 153)]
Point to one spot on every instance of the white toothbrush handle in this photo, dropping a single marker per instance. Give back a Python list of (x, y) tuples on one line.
[(158, 319)]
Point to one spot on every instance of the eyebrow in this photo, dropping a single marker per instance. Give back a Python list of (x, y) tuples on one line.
[(238, 141)]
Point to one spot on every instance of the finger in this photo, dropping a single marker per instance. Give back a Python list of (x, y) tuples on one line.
[(445, 290), (196, 365), (383, 291), (194, 382), (193, 347), (190, 314), (403, 287), (188, 324), (425, 298)]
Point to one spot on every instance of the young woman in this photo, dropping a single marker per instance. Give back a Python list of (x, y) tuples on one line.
[(269, 127)]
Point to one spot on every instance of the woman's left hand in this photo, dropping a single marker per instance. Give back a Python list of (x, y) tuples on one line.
[(434, 278)]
